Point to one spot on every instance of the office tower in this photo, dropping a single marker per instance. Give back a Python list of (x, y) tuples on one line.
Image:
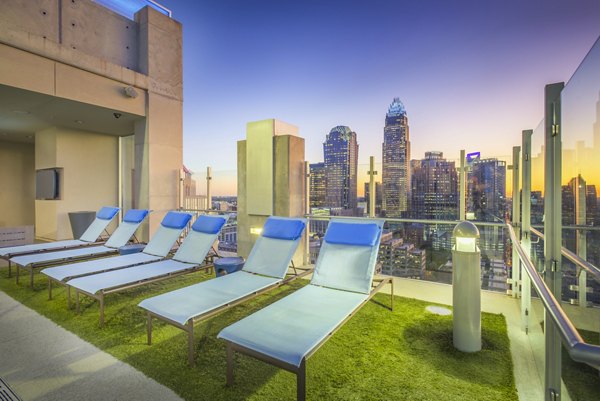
[(378, 197), (433, 188), (396, 157), (341, 159), (487, 190), (317, 185)]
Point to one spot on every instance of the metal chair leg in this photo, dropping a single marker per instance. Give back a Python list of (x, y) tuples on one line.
[(301, 382), (149, 329), (49, 288), (101, 309), (190, 331), (229, 364), (9, 269)]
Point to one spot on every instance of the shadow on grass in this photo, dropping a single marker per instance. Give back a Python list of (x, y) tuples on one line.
[(431, 340)]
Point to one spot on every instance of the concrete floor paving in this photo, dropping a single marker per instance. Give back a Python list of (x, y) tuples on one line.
[(41, 361)]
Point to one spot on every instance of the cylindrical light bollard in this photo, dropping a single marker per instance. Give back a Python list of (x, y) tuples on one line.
[(466, 288)]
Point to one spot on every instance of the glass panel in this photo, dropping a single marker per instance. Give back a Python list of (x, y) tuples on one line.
[(580, 119)]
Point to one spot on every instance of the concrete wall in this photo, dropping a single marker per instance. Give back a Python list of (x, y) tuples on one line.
[(17, 175), (77, 24), (89, 177), (81, 51)]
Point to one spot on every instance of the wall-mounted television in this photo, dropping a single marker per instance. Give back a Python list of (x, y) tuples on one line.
[(47, 184)]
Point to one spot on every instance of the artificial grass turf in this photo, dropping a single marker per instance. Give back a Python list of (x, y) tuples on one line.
[(581, 380), (406, 354)]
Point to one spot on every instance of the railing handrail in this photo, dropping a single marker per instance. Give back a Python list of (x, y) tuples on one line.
[(584, 264), (399, 220), (578, 349)]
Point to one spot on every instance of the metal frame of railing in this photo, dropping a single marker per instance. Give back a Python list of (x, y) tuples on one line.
[(578, 349), (584, 264)]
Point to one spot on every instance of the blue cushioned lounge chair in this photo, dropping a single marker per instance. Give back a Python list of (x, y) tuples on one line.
[(190, 257), (265, 269), (158, 248), (122, 235), (91, 236), (289, 331)]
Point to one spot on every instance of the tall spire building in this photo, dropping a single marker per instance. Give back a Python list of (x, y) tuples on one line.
[(341, 163), (396, 159)]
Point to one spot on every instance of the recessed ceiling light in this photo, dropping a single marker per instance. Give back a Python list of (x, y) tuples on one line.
[(78, 122), (29, 137), (20, 111)]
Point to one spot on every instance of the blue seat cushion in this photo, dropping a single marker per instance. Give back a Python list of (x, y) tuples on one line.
[(352, 234), (135, 215), (209, 224), (287, 229), (107, 213), (176, 220)]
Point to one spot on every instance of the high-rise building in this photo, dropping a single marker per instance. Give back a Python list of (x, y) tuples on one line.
[(433, 188), (487, 190), (317, 185), (341, 163), (396, 157)]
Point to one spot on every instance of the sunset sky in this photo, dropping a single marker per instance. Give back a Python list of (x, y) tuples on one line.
[(470, 73)]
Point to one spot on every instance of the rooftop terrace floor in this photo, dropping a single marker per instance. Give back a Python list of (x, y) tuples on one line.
[(44, 361)]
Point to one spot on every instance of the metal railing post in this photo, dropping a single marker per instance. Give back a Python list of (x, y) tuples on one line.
[(307, 211), (553, 233), (372, 190), (526, 225), (462, 180), (581, 238), (516, 211), (208, 192)]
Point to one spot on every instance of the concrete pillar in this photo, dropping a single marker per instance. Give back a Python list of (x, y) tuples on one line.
[(159, 139), (270, 179)]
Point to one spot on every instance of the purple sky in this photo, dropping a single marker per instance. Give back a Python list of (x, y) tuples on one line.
[(470, 73)]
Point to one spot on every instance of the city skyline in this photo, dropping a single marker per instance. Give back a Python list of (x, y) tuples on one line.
[(316, 65)]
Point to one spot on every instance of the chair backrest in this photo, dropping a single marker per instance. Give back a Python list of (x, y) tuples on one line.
[(348, 255), (273, 251), (103, 217), (168, 232), (131, 222), (199, 240)]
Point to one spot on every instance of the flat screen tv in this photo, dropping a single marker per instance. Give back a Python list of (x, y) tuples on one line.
[(47, 184)]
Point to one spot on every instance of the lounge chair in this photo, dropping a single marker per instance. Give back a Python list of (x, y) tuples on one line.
[(91, 236), (265, 269), (122, 235), (289, 331), (158, 248), (190, 257)]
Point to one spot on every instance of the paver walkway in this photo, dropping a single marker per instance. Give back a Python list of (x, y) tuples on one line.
[(42, 361)]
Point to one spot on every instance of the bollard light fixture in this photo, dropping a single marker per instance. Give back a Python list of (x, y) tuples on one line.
[(466, 234)]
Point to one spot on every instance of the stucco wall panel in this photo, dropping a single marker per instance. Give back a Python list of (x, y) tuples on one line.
[(75, 84), (25, 70), (17, 172)]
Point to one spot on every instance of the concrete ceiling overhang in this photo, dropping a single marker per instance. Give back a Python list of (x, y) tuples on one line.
[(23, 113)]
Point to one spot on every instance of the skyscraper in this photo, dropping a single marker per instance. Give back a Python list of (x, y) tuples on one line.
[(396, 156), (341, 159), (487, 190), (377, 198), (433, 188), (317, 185)]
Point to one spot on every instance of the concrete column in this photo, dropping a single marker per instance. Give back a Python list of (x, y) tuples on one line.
[(271, 179), (159, 139)]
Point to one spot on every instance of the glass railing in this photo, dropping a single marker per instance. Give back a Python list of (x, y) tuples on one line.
[(422, 249)]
